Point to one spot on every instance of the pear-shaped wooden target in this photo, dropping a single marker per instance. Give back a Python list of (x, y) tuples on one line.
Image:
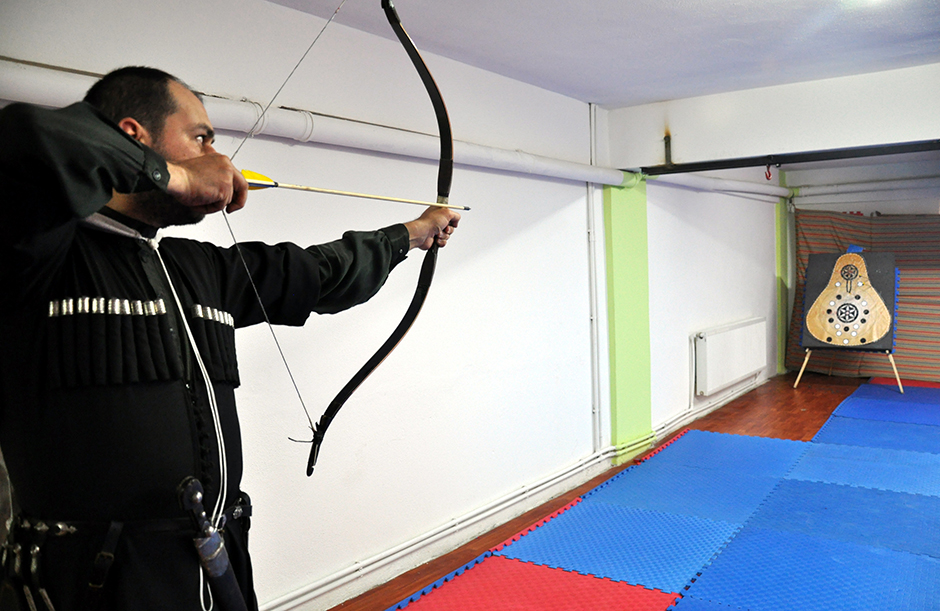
[(849, 313)]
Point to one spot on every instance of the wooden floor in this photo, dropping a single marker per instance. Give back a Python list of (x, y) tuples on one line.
[(774, 409)]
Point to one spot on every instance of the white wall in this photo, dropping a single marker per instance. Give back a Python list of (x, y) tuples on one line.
[(712, 256), (870, 109), (712, 262), (488, 392), (491, 390)]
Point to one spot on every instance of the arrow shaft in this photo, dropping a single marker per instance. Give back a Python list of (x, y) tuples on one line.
[(267, 184)]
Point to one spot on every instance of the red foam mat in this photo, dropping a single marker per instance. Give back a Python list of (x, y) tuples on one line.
[(660, 448), (538, 524), (905, 383), (504, 584)]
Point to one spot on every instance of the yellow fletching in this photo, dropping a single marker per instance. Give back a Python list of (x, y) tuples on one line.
[(257, 181)]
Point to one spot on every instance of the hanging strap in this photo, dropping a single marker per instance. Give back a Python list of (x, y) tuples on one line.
[(102, 565)]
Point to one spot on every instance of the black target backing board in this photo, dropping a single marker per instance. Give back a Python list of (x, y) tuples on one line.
[(882, 273)]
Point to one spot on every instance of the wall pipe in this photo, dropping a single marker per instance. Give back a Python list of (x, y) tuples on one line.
[(926, 182), (48, 86), (723, 185), (862, 197), (57, 87), (595, 254)]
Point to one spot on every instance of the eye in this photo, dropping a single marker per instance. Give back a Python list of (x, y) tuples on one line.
[(201, 139)]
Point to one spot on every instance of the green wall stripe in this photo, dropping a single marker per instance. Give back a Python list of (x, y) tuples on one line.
[(783, 289), (782, 218), (628, 312)]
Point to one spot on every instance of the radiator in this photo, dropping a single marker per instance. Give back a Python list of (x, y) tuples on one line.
[(728, 354)]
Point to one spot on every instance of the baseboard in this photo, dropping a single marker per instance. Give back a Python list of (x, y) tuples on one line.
[(379, 569), (627, 451), (677, 422)]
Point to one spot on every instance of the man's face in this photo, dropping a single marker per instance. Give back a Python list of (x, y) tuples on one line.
[(186, 133)]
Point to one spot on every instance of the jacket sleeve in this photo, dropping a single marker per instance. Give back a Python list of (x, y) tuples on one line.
[(293, 281), (61, 165), (57, 167)]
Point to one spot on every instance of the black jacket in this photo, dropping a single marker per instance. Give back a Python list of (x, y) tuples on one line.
[(102, 410)]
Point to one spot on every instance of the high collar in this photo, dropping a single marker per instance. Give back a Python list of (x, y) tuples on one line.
[(145, 230)]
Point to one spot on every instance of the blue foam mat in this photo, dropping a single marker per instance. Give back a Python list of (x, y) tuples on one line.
[(897, 470), (851, 528), (753, 456), (878, 518), (763, 569), (647, 548), (676, 488), (890, 392), (880, 434), (690, 603), (889, 411), (880, 402)]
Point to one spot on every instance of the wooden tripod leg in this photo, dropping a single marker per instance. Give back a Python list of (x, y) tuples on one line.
[(895, 368), (805, 361)]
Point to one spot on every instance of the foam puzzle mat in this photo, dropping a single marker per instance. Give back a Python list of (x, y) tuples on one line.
[(717, 522), (880, 434), (676, 488), (769, 570), (897, 470), (884, 392), (918, 405), (753, 456), (502, 584), (646, 548), (879, 518)]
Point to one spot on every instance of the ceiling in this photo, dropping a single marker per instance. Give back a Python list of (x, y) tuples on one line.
[(619, 53)]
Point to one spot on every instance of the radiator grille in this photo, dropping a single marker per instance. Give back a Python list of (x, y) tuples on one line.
[(729, 354)]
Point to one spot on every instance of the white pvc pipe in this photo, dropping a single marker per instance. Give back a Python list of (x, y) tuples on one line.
[(723, 185), (42, 86), (306, 126), (594, 248), (926, 182), (56, 88), (868, 197)]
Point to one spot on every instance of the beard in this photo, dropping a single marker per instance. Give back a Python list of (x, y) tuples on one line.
[(163, 210)]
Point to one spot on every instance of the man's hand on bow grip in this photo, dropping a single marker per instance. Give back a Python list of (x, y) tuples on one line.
[(209, 182), (435, 226)]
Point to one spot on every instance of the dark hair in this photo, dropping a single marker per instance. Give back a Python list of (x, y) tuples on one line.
[(138, 92)]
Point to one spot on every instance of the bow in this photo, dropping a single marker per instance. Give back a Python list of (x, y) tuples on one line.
[(445, 173)]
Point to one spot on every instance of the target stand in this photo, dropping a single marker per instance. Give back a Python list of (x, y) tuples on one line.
[(854, 305)]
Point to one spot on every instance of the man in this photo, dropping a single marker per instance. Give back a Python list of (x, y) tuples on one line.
[(111, 394)]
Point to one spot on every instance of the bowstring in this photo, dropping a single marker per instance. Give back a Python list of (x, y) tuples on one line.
[(228, 225), (289, 77)]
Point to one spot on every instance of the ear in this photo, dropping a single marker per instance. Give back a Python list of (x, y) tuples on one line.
[(135, 130)]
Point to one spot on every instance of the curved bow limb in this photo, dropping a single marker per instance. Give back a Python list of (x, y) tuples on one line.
[(445, 173)]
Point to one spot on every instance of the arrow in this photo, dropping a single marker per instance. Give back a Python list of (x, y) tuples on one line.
[(258, 181)]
